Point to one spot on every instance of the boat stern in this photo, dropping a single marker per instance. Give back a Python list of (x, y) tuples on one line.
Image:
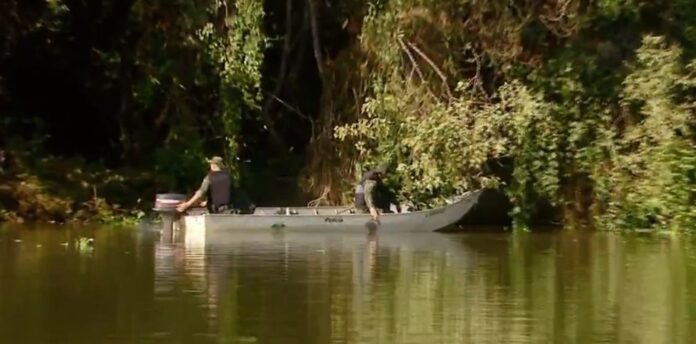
[(165, 206)]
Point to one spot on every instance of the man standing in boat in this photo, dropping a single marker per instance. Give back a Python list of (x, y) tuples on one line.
[(216, 186)]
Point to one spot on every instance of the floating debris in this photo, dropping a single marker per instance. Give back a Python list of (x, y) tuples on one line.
[(85, 243)]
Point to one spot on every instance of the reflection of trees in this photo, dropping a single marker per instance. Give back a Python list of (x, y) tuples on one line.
[(185, 293), (567, 287)]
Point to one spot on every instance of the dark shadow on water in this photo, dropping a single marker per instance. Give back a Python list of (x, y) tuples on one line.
[(494, 208)]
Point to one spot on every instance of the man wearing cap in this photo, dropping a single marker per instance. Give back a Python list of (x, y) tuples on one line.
[(216, 186)]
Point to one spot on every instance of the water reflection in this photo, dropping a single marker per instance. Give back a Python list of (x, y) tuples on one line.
[(295, 287)]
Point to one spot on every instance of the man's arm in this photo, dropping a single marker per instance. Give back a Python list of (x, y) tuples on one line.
[(202, 190), (370, 198)]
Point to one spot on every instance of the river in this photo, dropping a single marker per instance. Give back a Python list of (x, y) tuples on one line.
[(111, 285)]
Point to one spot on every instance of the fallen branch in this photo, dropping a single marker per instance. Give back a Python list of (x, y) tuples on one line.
[(416, 66), (435, 68), (295, 110), (413, 60)]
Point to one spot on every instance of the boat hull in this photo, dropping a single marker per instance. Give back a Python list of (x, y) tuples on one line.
[(329, 218)]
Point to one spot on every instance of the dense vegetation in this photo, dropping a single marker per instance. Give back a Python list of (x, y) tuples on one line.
[(585, 105)]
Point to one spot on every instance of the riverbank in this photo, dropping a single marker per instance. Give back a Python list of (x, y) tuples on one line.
[(58, 190), (52, 190), (55, 190), (37, 188)]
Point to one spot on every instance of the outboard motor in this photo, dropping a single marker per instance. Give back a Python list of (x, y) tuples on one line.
[(165, 205)]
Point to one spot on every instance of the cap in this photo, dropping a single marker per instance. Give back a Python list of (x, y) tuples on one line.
[(216, 160)]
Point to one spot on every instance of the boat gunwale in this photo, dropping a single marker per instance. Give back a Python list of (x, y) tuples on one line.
[(462, 199)]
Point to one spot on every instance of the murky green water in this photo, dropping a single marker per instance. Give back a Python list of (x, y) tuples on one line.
[(343, 288)]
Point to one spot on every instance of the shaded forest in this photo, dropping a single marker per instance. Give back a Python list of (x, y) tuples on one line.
[(577, 111)]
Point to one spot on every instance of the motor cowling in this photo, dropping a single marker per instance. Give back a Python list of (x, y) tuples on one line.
[(165, 205), (167, 202)]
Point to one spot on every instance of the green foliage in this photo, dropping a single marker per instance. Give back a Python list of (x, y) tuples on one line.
[(59, 190), (36, 201), (180, 75), (441, 147), (534, 137), (650, 179), (590, 114), (441, 139), (235, 48), (587, 129)]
